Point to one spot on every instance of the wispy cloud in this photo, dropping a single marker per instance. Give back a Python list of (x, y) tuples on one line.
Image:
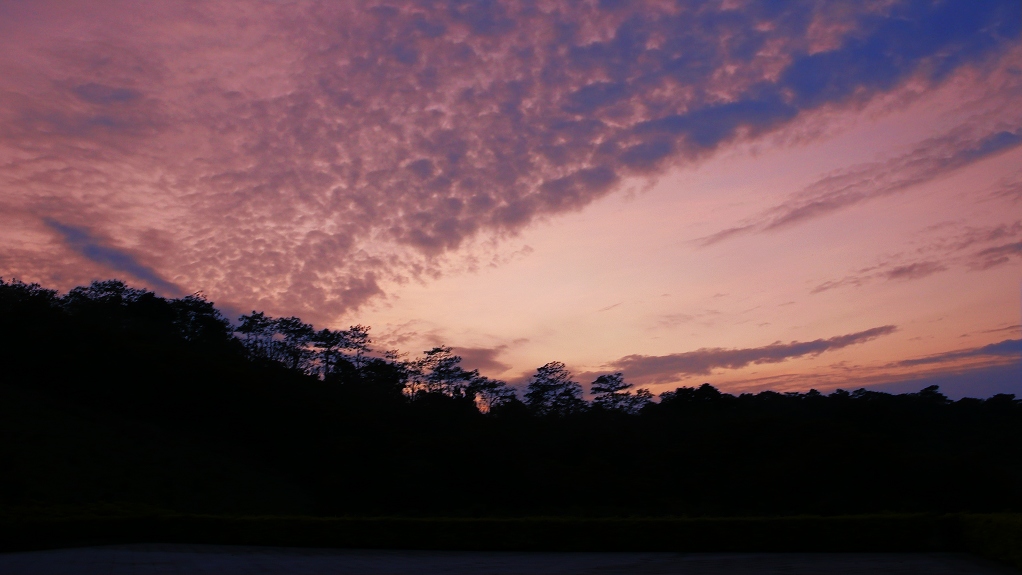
[(1010, 189), (939, 254), (673, 320), (971, 236), (930, 160), (678, 366), (914, 271), (933, 158), (998, 255), (1015, 328)]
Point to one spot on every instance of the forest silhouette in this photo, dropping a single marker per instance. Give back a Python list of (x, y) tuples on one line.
[(115, 395)]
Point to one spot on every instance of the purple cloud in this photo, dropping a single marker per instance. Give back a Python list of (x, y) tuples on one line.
[(1006, 348), (997, 255), (913, 271), (928, 161), (112, 258), (297, 157), (950, 251), (922, 165), (677, 366), (100, 94), (1011, 190), (1015, 328)]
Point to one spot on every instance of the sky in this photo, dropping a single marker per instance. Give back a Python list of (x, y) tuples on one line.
[(757, 195)]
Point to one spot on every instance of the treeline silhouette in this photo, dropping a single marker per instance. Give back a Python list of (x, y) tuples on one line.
[(114, 395)]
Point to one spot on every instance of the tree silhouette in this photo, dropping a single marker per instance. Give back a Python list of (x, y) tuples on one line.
[(610, 393), (491, 394), (198, 321), (257, 333), (551, 391), (285, 340), (328, 344), (18, 297), (293, 342), (111, 393), (109, 293), (357, 343), (440, 371)]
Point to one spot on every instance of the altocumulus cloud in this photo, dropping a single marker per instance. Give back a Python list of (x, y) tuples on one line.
[(298, 156), (678, 366)]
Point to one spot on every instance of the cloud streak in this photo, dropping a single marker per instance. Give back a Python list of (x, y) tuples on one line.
[(112, 258), (940, 254), (998, 255), (1006, 348), (930, 160), (904, 272), (674, 367)]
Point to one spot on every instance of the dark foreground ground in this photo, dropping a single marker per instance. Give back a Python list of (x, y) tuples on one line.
[(240, 560)]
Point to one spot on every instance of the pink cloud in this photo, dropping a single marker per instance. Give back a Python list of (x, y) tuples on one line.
[(299, 157)]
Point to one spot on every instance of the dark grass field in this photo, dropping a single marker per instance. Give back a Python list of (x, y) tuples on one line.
[(147, 559), (957, 543)]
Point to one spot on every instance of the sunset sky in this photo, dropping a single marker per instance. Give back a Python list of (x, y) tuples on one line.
[(758, 195)]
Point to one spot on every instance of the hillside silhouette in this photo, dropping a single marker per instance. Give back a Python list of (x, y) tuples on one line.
[(112, 395)]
